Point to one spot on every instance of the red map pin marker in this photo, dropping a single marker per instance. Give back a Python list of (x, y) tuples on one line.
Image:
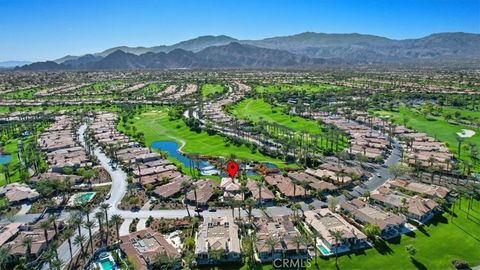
[(232, 168)]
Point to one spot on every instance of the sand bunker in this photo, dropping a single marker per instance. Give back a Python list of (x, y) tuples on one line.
[(466, 133)]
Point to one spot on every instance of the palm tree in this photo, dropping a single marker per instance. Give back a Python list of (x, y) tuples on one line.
[(69, 233), (295, 207), (45, 225), (249, 203), (52, 219), (54, 248), (27, 242), (194, 189), (4, 256), (313, 241), (57, 264), (272, 244), (260, 184), (411, 250), (337, 236), (86, 210), (459, 140), (186, 187), (243, 190), (162, 261), (89, 225), (21, 264), (298, 240), (99, 216), (77, 221), (105, 207), (117, 219), (332, 203), (79, 239), (6, 172)]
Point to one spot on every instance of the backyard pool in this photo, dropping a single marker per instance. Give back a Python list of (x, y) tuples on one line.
[(325, 251), (106, 264), (81, 198), (4, 159)]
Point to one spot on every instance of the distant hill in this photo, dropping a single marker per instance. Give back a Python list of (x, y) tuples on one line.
[(301, 50), (11, 64)]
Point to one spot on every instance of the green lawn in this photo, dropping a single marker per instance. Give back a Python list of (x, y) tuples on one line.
[(467, 114), (258, 109), (150, 89), (308, 88), (210, 89), (27, 93), (10, 148), (435, 127), (156, 126)]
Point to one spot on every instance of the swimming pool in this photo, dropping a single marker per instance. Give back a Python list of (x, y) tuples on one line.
[(4, 159), (325, 251), (106, 264)]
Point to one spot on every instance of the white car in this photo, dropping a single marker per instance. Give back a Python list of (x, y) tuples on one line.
[(379, 175)]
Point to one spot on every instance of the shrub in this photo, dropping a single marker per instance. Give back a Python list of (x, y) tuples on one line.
[(460, 264)]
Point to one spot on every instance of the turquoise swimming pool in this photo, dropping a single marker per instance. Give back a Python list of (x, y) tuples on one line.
[(324, 250), (4, 159), (106, 264)]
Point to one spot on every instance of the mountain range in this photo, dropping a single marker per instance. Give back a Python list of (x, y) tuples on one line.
[(307, 49)]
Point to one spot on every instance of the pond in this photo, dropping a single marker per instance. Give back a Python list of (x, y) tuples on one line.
[(4, 159), (205, 167)]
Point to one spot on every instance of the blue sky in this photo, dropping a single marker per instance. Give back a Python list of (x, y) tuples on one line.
[(39, 30)]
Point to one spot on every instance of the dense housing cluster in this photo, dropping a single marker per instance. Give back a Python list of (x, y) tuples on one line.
[(127, 170)]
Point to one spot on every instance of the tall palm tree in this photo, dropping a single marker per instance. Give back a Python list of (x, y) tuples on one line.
[(260, 184), (243, 190), (69, 233), (86, 210), (337, 235), (117, 219), (54, 248), (27, 242), (45, 225), (105, 207), (186, 187), (99, 216), (249, 203), (298, 240), (460, 141), (78, 222), (52, 219), (89, 225), (79, 239), (194, 189), (272, 243), (313, 241)]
